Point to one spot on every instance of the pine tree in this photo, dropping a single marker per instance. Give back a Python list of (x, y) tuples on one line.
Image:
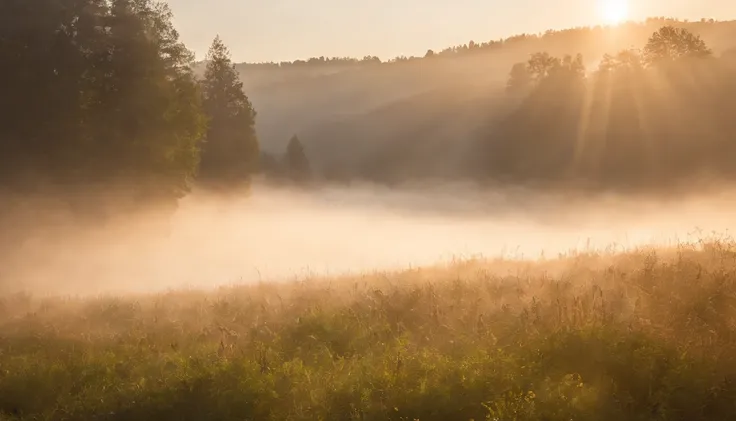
[(297, 163), (230, 153)]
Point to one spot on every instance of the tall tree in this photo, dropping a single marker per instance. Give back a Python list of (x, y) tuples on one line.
[(296, 161), (231, 152)]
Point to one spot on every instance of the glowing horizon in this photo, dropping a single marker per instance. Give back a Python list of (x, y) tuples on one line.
[(614, 11), (287, 30)]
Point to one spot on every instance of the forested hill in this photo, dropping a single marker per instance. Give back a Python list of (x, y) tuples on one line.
[(103, 93), (448, 114), (304, 95)]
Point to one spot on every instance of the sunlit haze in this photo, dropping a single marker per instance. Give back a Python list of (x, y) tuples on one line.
[(376, 210), (615, 11), (284, 235), (285, 30)]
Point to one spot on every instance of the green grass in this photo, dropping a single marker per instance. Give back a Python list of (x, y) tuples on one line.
[(646, 335)]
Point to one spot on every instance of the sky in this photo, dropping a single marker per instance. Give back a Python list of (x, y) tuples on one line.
[(286, 30)]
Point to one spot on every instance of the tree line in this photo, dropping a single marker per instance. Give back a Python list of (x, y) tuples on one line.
[(579, 34), (654, 116), (658, 118), (101, 93)]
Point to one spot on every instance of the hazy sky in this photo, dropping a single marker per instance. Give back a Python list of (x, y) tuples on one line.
[(276, 30)]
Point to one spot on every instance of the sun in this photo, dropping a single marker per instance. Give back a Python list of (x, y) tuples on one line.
[(614, 11)]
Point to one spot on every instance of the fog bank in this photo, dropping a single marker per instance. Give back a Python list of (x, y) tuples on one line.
[(281, 234)]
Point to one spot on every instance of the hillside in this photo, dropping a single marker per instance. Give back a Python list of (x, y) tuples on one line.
[(310, 98), (638, 336), (448, 116)]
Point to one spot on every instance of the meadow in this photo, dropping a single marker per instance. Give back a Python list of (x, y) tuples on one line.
[(646, 334)]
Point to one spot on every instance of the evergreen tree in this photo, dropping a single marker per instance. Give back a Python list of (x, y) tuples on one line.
[(231, 151), (297, 164)]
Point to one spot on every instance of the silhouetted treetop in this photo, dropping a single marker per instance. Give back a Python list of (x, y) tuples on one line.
[(670, 43), (297, 163), (626, 60)]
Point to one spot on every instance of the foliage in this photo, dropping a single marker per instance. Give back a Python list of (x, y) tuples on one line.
[(626, 60), (638, 336), (566, 120), (630, 124), (231, 152), (670, 43), (97, 92)]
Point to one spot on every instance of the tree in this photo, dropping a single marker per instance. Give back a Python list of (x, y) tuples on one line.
[(97, 92), (520, 79), (297, 164), (626, 60), (670, 43), (570, 67), (540, 65), (148, 105), (230, 154)]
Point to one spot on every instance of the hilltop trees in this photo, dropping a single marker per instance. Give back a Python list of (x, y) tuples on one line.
[(626, 61), (544, 68), (230, 153), (670, 43), (639, 118)]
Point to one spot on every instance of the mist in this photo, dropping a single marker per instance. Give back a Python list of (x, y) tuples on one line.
[(280, 234)]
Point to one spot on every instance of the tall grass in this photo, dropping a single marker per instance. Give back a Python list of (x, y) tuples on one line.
[(645, 335)]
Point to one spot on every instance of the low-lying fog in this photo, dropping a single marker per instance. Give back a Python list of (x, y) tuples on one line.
[(278, 234)]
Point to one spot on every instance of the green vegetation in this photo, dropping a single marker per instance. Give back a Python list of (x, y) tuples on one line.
[(100, 98), (231, 150), (97, 93), (638, 336), (103, 100), (101, 109)]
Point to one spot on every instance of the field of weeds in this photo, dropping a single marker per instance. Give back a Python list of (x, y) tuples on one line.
[(644, 335)]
